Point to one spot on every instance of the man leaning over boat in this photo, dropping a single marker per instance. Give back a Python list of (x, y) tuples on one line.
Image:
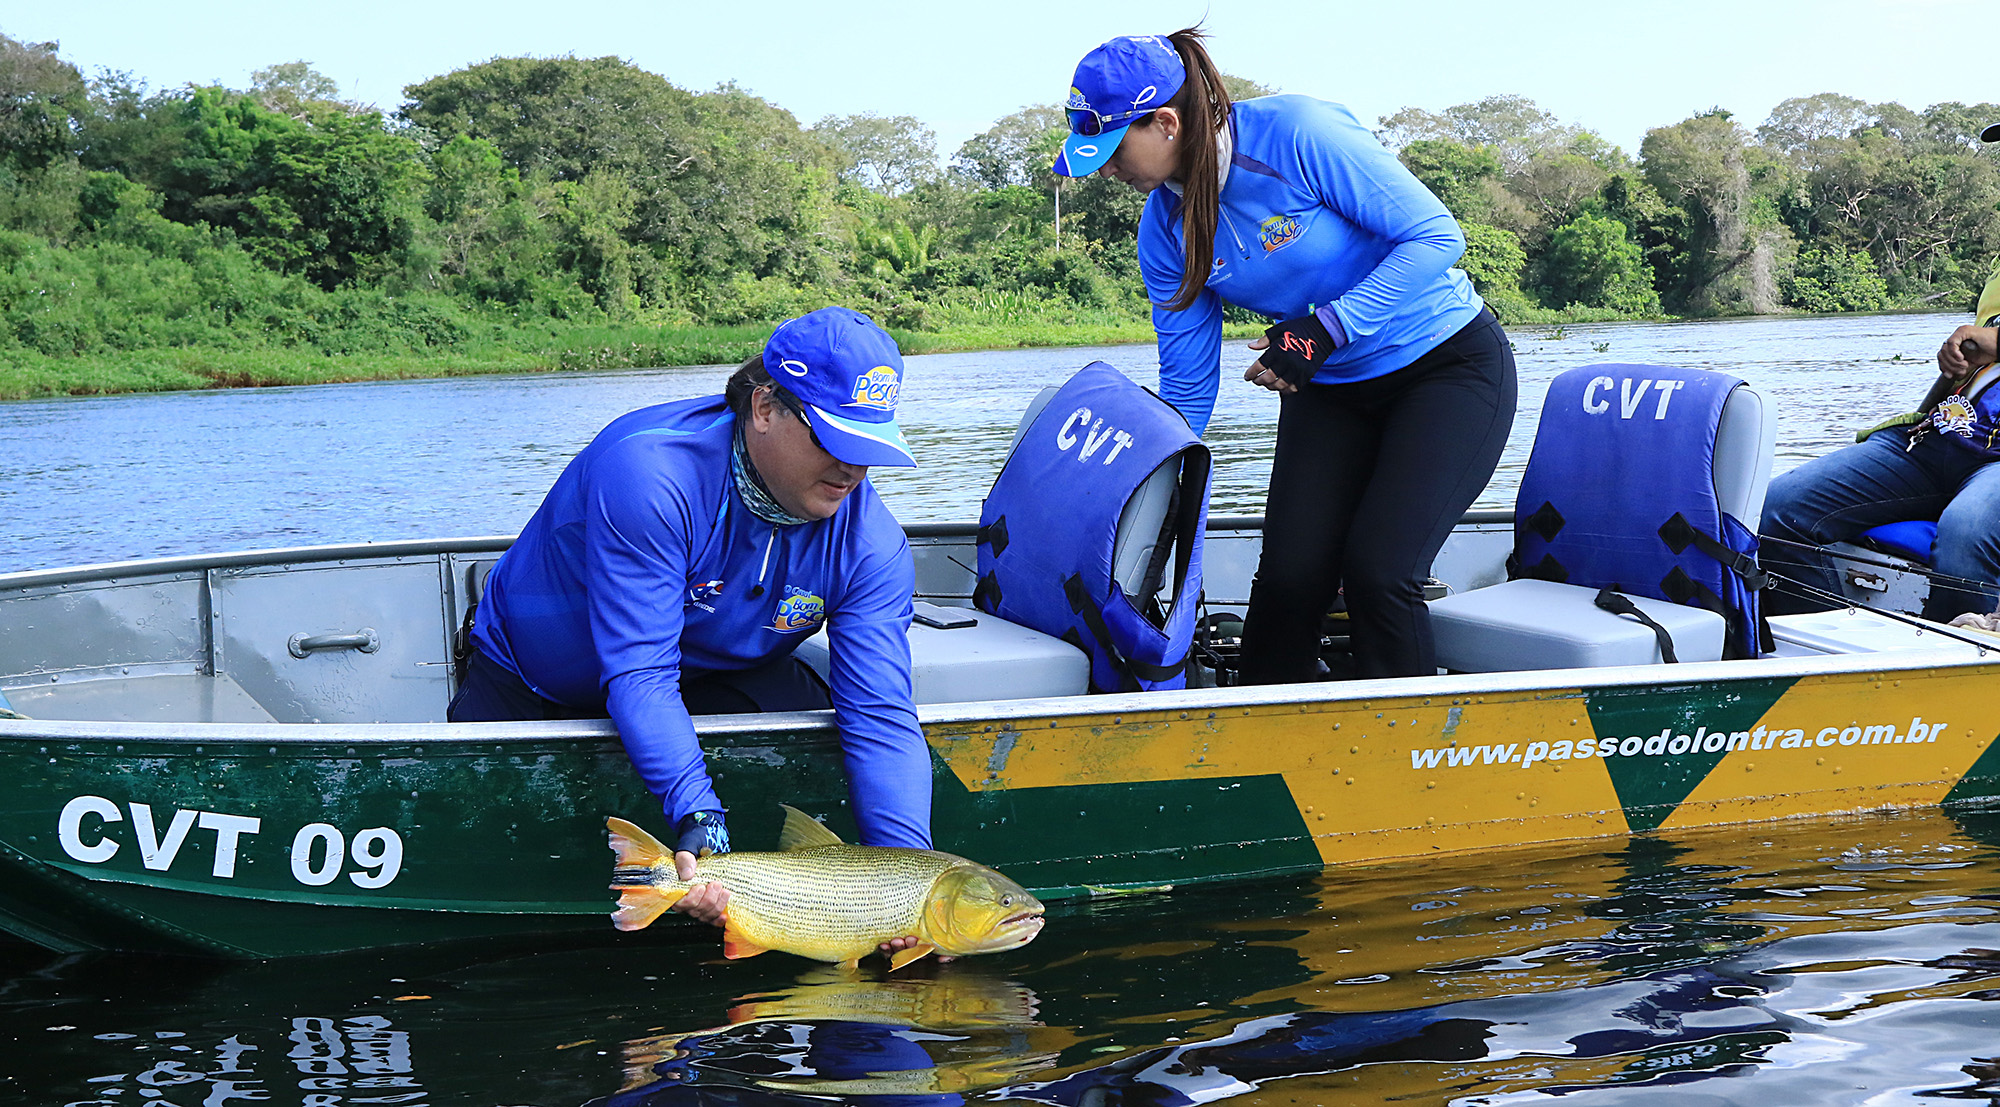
[(684, 554)]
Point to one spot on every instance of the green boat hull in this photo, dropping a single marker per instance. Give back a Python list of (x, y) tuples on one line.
[(314, 803)]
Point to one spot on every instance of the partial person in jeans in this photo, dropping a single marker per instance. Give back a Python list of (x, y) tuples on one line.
[(1935, 463), (684, 554), (1396, 384)]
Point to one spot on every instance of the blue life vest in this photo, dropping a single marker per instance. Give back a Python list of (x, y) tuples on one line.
[(1620, 493), (1048, 528)]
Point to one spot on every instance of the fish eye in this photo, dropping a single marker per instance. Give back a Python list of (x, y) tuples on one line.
[(1007, 901)]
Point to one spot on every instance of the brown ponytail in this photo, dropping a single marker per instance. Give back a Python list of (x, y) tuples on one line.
[(1203, 105)]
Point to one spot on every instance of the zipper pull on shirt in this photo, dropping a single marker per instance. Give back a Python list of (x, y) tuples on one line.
[(765, 569)]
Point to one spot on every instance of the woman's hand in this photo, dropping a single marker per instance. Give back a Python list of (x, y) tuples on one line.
[(1968, 350), (1262, 375)]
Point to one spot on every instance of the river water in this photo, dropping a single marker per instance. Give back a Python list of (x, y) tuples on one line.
[(119, 477), (1821, 962)]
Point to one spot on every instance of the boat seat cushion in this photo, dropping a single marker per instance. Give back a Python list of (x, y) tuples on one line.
[(991, 660), (1915, 539), (1746, 440), (1539, 624)]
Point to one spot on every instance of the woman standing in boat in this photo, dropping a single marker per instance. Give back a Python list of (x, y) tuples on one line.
[(1396, 384)]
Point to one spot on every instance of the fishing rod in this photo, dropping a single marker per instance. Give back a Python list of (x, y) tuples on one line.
[(1960, 584), (1801, 588)]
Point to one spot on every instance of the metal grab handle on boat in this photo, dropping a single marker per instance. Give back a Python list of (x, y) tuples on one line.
[(367, 641)]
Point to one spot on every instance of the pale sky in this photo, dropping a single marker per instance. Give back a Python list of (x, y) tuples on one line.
[(1615, 68)]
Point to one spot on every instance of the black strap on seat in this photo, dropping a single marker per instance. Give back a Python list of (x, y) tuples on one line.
[(1619, 605), (1128, 668), (986, 594), (1679, 534), (994, 534), (461, 642)]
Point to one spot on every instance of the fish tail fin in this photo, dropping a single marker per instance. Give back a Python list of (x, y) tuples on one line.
[(639, 905), (635, 848)]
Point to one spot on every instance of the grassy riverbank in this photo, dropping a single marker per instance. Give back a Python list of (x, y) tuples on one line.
[(28, 375), (384, 339)]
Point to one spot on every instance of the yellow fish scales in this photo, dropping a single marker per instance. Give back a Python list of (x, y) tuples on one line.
[(821, 898)]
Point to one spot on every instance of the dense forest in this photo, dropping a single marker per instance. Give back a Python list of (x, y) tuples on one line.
[(576, 212)]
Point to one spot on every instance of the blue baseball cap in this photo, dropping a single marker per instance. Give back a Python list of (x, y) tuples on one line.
[(837, 360), (1115, 84)]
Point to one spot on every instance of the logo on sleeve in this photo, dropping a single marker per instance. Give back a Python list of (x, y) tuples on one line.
[(700, 594), (1277, 231), (799, 610), (876, 388)]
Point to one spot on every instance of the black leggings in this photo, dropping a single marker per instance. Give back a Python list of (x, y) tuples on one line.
[(1368, 480)]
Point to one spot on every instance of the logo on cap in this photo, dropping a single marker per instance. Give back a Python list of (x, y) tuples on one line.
[(1077, 99), (876, 388), (795, 368)]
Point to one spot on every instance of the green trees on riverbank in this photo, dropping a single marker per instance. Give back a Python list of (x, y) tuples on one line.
[(548, 212), (1833, 204)]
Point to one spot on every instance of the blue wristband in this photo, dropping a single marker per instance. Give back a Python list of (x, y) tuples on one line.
[(702, 833)]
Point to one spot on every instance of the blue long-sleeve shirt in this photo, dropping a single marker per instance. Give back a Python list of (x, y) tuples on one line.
[(1315, 215), (643, 564)]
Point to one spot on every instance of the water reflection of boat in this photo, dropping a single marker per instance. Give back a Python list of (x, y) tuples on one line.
[(1851, 950), (1674, 1027)]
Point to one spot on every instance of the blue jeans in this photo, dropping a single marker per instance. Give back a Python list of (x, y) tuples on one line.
[(1837, 497)]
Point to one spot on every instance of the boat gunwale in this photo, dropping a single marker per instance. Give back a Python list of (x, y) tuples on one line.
[(1079, 710)]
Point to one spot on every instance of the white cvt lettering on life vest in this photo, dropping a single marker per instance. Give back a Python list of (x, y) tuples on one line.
[(1095, 435), (1629, 396)]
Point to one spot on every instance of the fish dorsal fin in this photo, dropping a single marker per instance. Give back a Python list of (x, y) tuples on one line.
[(802, 831), (635, 848)]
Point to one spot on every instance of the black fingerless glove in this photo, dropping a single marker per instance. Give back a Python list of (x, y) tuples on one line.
[(1298, 348), (701, 833)]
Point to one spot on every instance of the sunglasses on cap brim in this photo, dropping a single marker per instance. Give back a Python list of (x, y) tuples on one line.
[(1090, 124)]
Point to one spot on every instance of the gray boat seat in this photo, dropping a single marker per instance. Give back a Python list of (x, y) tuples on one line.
[(989, 659), (1538, 624)]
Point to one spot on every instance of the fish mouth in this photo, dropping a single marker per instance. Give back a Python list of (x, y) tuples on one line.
[(1019, 930)]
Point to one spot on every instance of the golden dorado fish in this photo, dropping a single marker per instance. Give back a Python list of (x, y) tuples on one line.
[(821, 898)]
